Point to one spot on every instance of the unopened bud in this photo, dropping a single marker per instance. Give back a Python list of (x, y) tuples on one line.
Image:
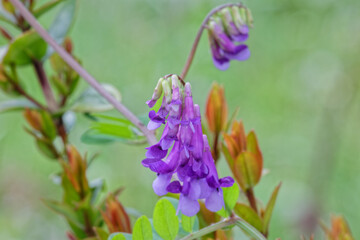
[(166, 85), (157, 93), (239, 20), (68, 45), (216, 109), (249, 18)]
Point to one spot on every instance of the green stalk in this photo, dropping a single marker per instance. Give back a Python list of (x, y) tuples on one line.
[(243, 225)]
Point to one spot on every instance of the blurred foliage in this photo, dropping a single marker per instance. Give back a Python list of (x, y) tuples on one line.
[(298, 90)]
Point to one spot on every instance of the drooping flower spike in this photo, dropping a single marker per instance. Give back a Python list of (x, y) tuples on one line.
[(182, 158), (227, 31)]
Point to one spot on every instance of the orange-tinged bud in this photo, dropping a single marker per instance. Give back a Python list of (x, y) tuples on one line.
[(75, 170), (339, 230), (115, 216), (216, 109), (68, 45), (34, 119), (243, 155)]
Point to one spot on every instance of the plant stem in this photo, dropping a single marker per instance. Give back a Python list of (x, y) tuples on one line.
[(211, 228), (5, 34), (243, 225), (22, 92), (45, 86), (82, 72), (199, 34), (252, 200)]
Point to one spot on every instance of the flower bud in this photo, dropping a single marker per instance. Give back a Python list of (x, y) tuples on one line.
[(75, 170), (68, 45), (166, 86), (216, 109), (223, 41), (339, 229), (243, 156), (115, 216), (157, 93)]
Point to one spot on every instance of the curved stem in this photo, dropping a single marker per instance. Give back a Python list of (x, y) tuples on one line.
[(210, 229), (243, 225), (45, 85), (199, 34), (82, 72)]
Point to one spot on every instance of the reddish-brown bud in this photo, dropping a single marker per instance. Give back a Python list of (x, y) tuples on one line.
[(68, 45), (339, 229), (115, 216), (75, 170), (243, 155), (216, 109), (34, 118)]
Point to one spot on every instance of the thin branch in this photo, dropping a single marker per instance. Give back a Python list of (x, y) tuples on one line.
[(82, 72), (246, 227), (251, 197), (45, 86), (210, 229), (199, 34), (22, 92)]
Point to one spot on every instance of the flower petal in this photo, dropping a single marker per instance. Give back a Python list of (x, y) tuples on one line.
[(161, 182), (215, 201), (188, 206)]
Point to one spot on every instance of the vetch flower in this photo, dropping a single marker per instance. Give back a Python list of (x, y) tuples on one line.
[(227, 30), (182, 158)]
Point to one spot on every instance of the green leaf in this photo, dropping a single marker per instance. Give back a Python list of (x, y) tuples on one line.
[(101, 234), (231, 195), (142, 229), (249, 215), (270, 207), (5, 15), (62, 23), (154, 233), (166, 222), (102, 133), (91, 101), (250, 230), (46, 148), (48, 126), (188, 223), (120, 236), (16, 104), (3, 50), (25, 48), (183, 219), (64, 210), (46, 7)]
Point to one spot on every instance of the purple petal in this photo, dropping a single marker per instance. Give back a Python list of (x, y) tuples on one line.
[(153, 125), (226, 181), (241, 53), (151, 103), (156, 165), (205, 189), (215, 201), (160, 183), (240, 37), (174, 187), (155, 151), (188, 206), (221, 63), (213, 182), (195, 190)]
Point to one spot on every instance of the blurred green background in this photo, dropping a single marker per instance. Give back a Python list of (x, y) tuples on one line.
[(299, 91)]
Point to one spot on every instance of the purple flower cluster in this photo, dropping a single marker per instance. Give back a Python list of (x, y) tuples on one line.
[(189, 168), (226, 29)]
